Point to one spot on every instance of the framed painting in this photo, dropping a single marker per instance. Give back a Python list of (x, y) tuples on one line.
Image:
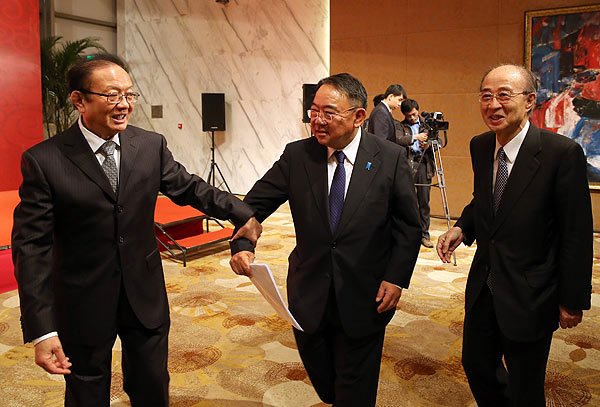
[(562, 48)]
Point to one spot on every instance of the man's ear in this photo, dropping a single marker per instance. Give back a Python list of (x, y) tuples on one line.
[(530, 103), (361, 115), (77, 100)]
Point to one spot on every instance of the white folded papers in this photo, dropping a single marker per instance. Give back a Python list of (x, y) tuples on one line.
[(262, 278)]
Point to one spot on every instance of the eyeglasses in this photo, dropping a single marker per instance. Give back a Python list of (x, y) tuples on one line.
[(328, 116), (115, 98), (502, 96)]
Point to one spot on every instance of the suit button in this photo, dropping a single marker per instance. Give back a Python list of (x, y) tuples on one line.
[(121, 239), (119, 208), (333, 245)]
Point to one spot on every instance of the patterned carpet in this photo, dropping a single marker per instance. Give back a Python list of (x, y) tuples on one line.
[(229, 349)]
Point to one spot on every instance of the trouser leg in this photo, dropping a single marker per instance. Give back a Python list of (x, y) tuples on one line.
[(144, 359), (482, 353), (423, 196), (88, 384), (343, 370), (526, 364)]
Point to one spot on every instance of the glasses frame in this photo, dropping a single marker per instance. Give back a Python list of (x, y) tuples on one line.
[(495, 96), (323, 115), (130, 97)]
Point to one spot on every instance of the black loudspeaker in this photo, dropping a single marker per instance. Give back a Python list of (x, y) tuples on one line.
[(308, 94), (213, 112)]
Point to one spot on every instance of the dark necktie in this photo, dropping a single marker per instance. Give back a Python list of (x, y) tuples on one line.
[(501, 178), (336, 192), (109, 165)]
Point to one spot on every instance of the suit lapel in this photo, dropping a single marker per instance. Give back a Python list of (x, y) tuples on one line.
[(316, 171), (76, 149), (129, 148), (524, 168), (365, 168), (486, 169)]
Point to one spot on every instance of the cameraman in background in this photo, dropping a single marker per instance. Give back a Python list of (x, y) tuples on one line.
[(412, 133)]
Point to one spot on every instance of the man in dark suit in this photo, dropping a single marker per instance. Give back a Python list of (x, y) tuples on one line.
[(381, 121), (357, 240), (413, 134), (85, 255), (531, 217)]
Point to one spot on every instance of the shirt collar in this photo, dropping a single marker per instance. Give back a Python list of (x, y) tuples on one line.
[(386, 105), (511, 149), (93, 140), (350, 151)]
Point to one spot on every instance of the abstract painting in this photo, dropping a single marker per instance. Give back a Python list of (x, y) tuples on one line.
[(562, 48)]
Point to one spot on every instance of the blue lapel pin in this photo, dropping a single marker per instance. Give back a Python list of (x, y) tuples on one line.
[(368, 167)]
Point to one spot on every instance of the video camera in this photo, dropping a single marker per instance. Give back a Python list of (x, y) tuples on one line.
[(435, 121)]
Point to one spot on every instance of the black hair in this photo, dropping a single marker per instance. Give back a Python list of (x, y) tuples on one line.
[(349, 85), (377, 99), (78, 76), (408, 105), (395, 90)]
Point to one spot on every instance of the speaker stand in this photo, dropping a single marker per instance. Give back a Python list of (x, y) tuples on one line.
[(214, 167)]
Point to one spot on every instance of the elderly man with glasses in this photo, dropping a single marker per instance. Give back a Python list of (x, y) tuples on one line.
[(83, 242), (531, 217), (357, 239)]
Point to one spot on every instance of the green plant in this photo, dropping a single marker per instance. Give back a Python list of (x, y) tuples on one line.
[(56, 102)]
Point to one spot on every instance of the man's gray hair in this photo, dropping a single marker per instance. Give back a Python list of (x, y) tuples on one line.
[(531, 83)]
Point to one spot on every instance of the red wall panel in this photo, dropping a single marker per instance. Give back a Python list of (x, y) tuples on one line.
[(20, 86)]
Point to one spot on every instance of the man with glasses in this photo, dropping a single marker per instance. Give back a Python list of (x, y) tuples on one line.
[(531, 217), (381, 121), (357, 240), (85, 254)]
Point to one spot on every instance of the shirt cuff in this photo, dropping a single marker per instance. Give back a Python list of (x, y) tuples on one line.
[(44, 337)]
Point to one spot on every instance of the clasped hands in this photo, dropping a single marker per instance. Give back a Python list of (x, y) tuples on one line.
[(240, 262)]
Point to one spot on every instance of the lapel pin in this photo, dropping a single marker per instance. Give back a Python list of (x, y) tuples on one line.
[(368, 166)]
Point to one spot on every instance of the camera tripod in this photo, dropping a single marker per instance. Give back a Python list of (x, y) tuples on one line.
[(434, 144), (214, 167)]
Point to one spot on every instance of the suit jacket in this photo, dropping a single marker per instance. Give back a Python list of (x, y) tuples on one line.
[(404, 138), (538, 246), (74, 240), (377, 237), (381, 123)]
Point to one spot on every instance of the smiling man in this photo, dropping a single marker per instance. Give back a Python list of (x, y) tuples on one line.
[(86, 259), (531, 217), (357, 240)]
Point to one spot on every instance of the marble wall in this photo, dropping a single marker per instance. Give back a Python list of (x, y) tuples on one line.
[(258, 53)]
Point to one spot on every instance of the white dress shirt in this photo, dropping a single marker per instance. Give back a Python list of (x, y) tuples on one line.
[(96, 142), (511, 149), (350, 151)]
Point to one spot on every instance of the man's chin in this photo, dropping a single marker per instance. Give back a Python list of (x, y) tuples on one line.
[(119, 127), (322, 139)]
